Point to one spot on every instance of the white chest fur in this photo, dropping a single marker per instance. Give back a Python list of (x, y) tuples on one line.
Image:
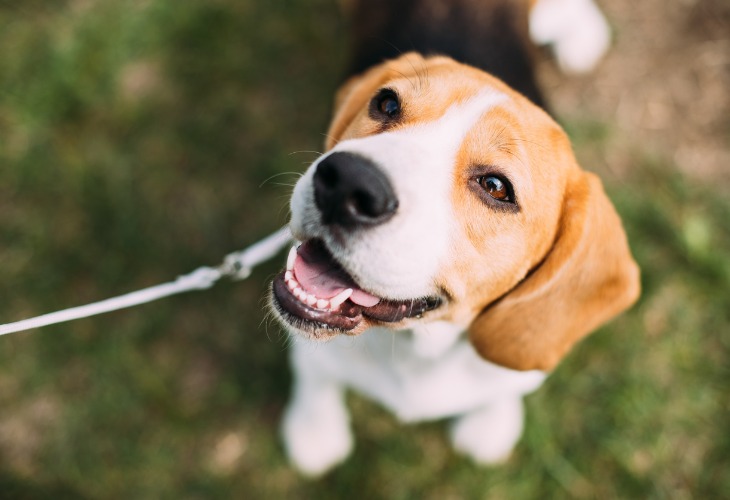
[(423, 374)]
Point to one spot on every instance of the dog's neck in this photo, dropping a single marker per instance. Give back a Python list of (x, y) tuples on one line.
[(432, 340)]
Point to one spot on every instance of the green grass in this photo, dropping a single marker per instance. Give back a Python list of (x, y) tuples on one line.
[(139, 140)]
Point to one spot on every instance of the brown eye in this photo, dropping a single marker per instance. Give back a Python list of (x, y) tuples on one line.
[(387, 104), (495, 187)]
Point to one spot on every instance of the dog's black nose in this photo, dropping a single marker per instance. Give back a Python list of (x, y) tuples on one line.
[(351, 191)]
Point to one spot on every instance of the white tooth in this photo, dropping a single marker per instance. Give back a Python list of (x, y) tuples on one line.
[(297, 292), (311, 300), (323, 304), (288, 275), (338, 299), (291, 258), (292, 284)]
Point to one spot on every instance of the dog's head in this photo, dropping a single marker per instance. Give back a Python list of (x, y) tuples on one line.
[(445, 195)]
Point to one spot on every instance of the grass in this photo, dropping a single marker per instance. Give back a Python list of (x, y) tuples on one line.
[(139, 140)]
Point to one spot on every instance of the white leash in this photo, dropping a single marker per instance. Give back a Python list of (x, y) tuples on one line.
[(236, 265)]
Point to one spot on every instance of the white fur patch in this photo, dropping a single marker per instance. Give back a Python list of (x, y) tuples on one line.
[(576, 29)]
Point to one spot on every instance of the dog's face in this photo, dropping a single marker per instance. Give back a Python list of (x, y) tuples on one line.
[(445, 195)]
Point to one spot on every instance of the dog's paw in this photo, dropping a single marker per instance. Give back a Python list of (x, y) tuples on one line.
[(316, 438), (577, 30), (488, 435)]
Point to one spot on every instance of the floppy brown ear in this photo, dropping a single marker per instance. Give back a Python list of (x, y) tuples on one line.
[(587, 278)]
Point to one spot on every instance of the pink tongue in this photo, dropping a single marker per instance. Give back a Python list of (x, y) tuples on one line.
[(323, 278)]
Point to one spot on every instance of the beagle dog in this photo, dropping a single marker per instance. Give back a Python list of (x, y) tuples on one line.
[(450, 249)]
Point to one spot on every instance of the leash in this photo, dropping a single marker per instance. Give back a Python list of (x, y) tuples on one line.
[(236, 266)]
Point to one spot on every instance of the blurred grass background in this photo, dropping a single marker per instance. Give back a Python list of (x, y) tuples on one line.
[(141, 139)]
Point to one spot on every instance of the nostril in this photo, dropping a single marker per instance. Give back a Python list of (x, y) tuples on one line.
[(327, 175), (364, 204)]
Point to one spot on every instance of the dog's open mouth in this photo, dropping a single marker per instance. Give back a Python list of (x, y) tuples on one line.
[(315, 292)]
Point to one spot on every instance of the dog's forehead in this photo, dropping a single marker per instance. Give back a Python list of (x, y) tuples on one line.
[(431, 91), (428, 95)]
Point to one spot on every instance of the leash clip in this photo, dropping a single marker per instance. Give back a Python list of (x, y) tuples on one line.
[(238, 265), (235, 267)]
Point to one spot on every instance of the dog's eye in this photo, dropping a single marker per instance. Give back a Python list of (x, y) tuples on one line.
[(389, 106), (496, 188), (386, 103)]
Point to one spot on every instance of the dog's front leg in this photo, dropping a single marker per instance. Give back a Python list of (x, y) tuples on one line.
[(316, 426), (488, 435)]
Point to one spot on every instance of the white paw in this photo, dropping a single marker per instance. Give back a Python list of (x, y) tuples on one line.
[(316, 438), (577, 30), (582, 51), (488, 435)]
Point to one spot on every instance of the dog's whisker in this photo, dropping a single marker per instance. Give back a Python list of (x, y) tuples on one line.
[(334, 140), (392, 345), (297, 174), (404, 76), (392, 45), (421, 85), (522, 139), (305, 151), (285, 206)]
